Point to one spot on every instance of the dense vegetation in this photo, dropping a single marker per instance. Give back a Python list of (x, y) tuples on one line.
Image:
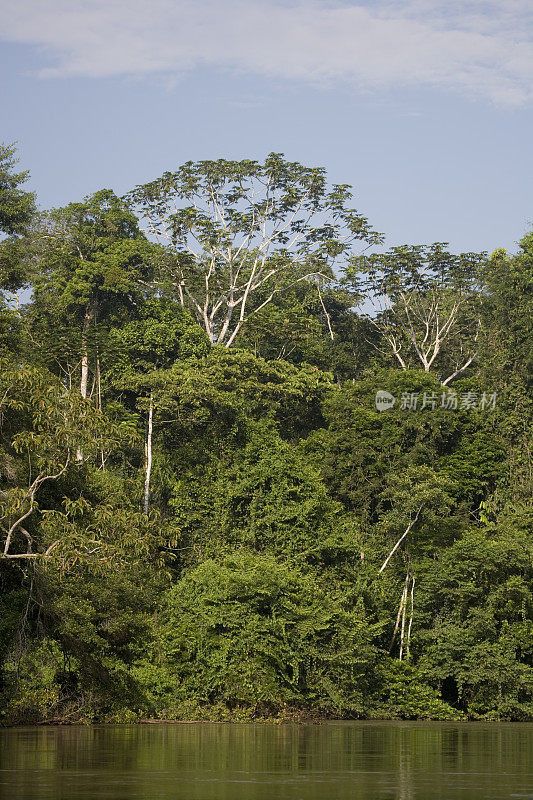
[(204, 513)]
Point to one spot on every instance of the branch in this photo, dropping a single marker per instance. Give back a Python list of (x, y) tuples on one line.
[(467, 362), (328, 318), (30, 495), (46, 554), (400, 540), (459, 370)]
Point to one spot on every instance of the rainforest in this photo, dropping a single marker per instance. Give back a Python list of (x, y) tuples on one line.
[(254, 464)]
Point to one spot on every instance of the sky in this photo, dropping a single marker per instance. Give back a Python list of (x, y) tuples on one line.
[(424, 106)]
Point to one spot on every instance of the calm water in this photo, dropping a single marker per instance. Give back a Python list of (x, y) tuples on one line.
[(360, 761)]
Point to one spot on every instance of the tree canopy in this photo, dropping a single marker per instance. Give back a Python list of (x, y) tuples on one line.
[(229, 489), (239, 233)]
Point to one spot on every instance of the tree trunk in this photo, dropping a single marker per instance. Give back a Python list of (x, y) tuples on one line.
[(99, 397), (84, 370), (148, 453), (408, 648), (403, 601), (400, 540), (402, 632), (84, 356)]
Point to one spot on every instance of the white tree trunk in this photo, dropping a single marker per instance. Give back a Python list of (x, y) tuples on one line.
[(148, 454), (84, 357), (408, 648), (404, 609), (403, 600), (400, 540), (84, 371)]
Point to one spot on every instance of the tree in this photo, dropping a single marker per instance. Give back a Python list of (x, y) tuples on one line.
[(17, 207), (205, 409), (250, 630), (426, 305), (239, 233), (268, 499), (506, 359), (476, 604), (55, 426), (507, 282), (421, 498), (92, 255), (17, 210), (141, 348)]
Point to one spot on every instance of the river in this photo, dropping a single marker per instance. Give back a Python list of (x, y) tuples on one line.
[(332, 761)]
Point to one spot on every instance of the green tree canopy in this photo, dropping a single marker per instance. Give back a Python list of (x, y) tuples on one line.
[(242, 232)]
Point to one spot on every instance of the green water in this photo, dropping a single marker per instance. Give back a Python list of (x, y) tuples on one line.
[(359, 760)]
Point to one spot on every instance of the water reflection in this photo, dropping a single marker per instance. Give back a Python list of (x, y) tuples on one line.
[(334, 761)]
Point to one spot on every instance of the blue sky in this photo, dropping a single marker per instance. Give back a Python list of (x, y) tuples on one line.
[(424, 106)]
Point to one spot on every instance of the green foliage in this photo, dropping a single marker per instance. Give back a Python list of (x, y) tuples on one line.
[(241, 233), (363, 449), (251, 630), (268, 499), (407, 695), (90, 261), (162, 335), (235, 532), (16, 206), (508, 309), (427, 305), (479, 594), (414, 267), (32, 691)]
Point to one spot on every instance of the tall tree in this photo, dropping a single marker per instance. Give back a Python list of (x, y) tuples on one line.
[(240, 232), (17, 210), (425, 305), (16, 205), (508, 311), (92, 255)]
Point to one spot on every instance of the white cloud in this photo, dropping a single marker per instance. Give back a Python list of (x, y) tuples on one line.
[(476, 47)]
